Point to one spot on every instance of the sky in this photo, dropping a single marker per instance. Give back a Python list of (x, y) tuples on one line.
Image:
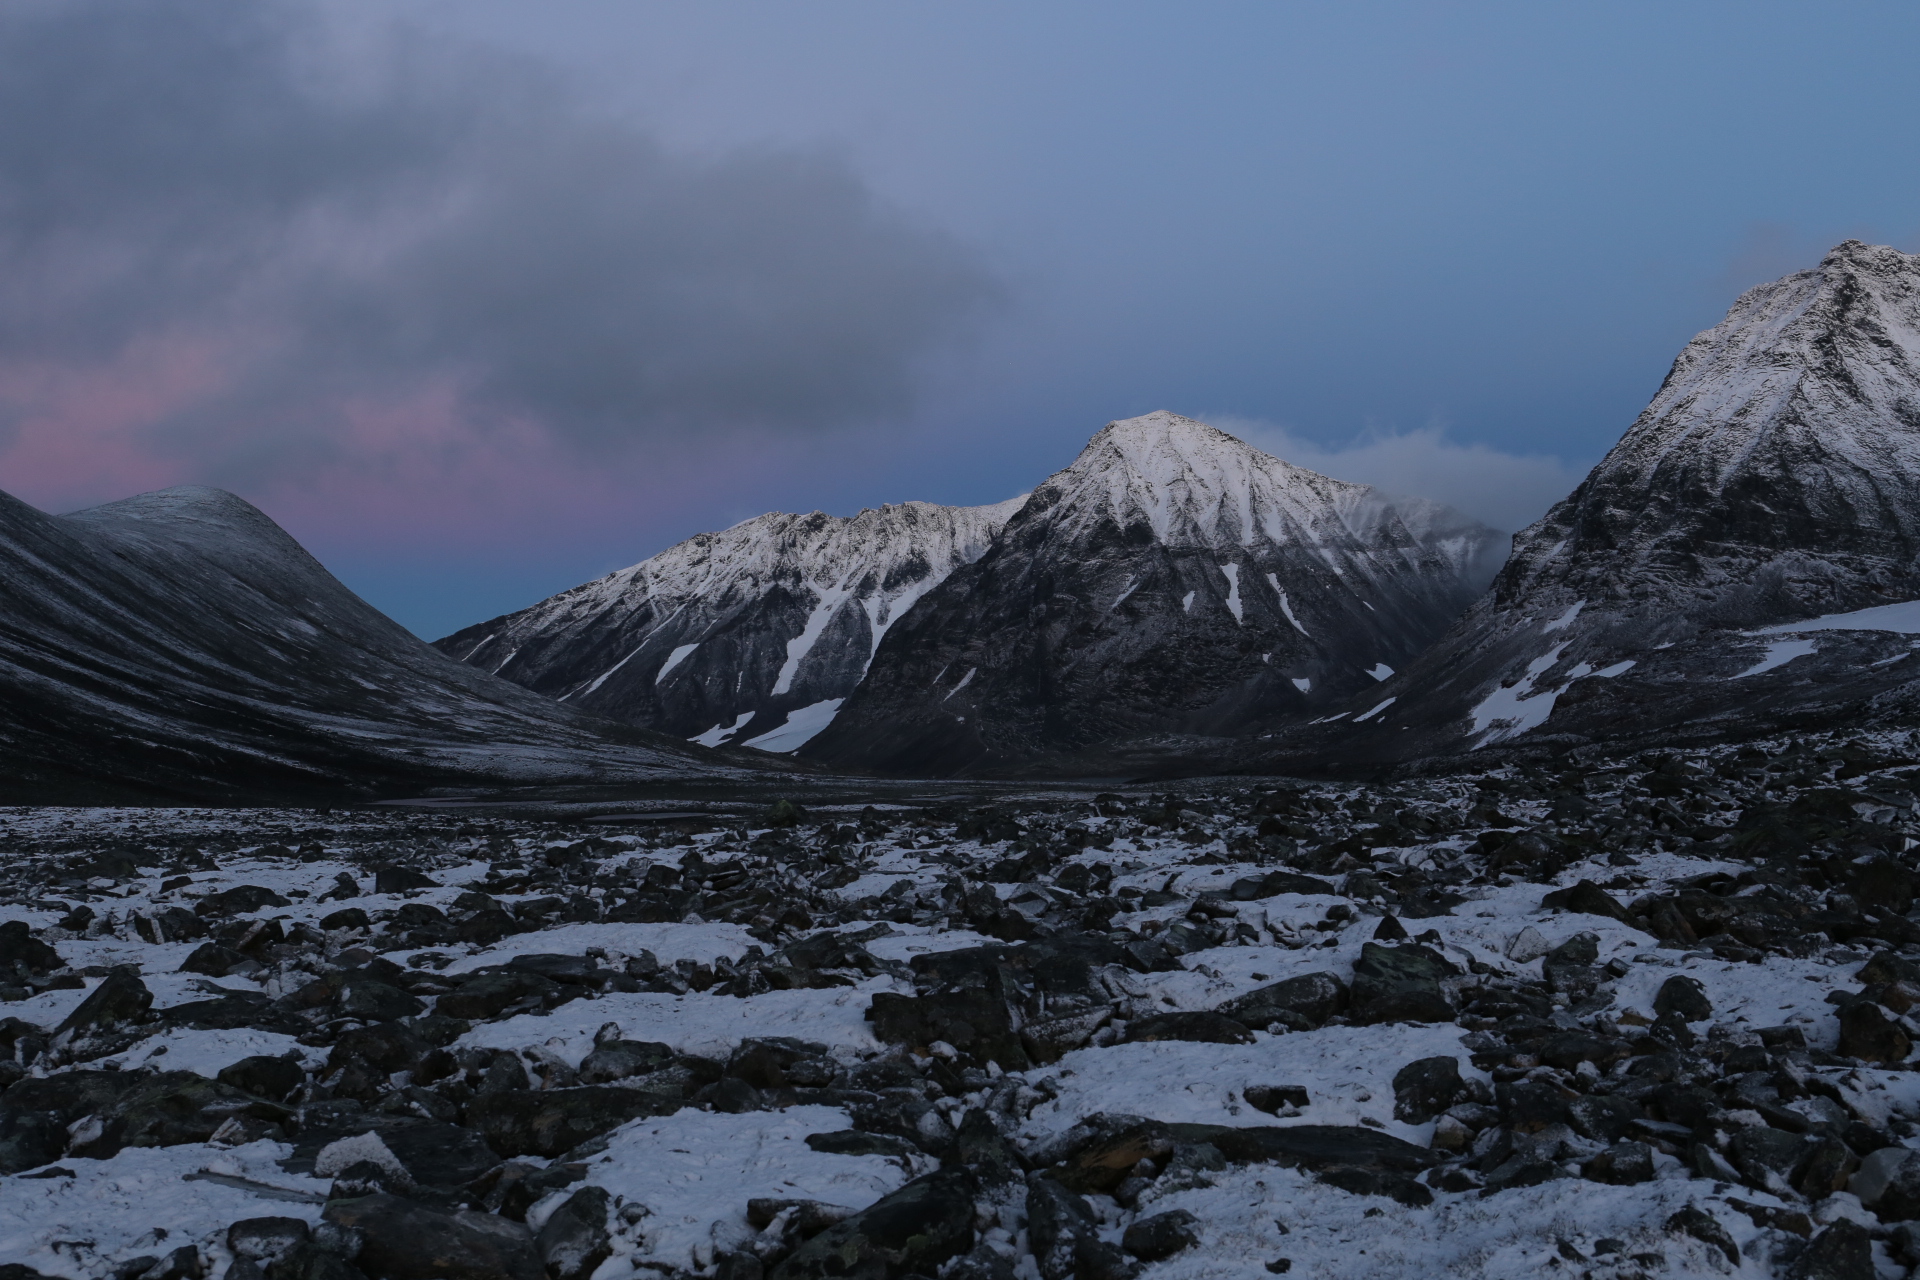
[(482, 299)]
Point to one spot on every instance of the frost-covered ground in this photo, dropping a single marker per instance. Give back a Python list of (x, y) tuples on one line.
[(1644, 1017)]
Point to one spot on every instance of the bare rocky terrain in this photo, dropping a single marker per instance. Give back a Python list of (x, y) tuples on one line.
[(1646, 1017)]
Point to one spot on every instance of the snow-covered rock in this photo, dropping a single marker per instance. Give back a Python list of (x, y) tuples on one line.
[(1172, 579), (1745, 558), (754, 635), (179, 644)]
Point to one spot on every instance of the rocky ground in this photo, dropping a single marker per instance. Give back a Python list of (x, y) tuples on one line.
[(1643, 1017)]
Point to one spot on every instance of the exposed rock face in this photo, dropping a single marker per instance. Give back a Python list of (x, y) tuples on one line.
[(181, 644), (1690, 585), (1173, 579), (753, 635)]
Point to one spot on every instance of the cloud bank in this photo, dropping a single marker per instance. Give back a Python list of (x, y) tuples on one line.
[(239, 252), (1508, 491)]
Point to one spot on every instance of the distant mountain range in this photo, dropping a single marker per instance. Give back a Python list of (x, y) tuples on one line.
[(1745, 561)]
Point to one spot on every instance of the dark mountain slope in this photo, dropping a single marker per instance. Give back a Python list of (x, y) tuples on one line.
[(181, 645), (1741, 562), (1173, 579)]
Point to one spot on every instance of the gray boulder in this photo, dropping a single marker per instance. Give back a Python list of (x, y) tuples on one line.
[(911, 1232), (1300, 1003), (575, 1240), (1401, 984), (406, 1240)]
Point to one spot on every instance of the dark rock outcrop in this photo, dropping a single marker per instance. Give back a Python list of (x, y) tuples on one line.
[(913, 1231)]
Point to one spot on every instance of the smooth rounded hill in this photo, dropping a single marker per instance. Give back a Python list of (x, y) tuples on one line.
[(181, 645)]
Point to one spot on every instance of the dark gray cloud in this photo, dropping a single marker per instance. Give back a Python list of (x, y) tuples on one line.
[(328, 228)]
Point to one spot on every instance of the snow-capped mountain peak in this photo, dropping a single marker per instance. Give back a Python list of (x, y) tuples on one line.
[(1192, 484), (1787, 428), (1172, 577), (1773, 481)]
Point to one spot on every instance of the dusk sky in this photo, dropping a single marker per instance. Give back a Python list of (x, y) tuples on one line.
[(481, 299)]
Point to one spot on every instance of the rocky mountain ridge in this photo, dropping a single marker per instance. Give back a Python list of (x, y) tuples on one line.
[(753, 635), (1743, 561)]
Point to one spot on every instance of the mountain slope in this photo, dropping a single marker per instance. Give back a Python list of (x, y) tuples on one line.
[(1172, 579), (1701, 582), (755, 634), (180, 644)]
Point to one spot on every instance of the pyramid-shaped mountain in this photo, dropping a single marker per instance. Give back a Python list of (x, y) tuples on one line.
[(1173, 579)]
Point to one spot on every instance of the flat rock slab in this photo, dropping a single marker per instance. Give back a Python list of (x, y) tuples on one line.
[(1310, 1146), (405, 1240)]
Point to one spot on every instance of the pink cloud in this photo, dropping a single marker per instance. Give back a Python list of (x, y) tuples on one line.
[(76, 434), (410, 470)]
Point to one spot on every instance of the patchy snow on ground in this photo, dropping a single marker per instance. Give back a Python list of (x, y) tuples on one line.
[(667, 943), (145, 1201), (709, 1026), (1167, 875), (695, 1171), (1346, 1071)]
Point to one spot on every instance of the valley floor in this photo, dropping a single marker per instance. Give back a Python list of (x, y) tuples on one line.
[(1644, 1017)]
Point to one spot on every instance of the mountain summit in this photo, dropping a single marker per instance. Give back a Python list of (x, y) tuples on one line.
[(1775, 473), (1728, 564), (754, 635), (1172, 579)]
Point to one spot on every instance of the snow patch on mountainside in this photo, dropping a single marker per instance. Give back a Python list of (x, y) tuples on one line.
[(1779, 654), (801, 727), (721, 732), (801, 645), (1376, 710), (1510, 711), (1232, 573), (1565, 620), (1903, 617), (674, 659)]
